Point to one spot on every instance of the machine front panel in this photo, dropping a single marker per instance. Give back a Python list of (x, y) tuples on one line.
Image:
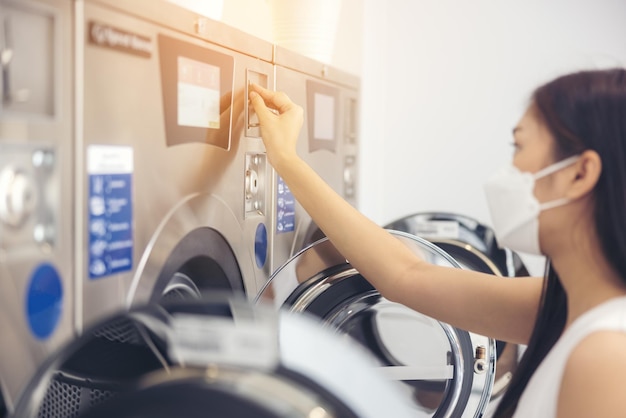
[(328, 142), (174, 103)]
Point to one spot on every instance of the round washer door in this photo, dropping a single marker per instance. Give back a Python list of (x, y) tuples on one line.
[(507, 354), (473, 245), (446, 371)]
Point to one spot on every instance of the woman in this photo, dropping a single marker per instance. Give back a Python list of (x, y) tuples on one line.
[(566, 197)]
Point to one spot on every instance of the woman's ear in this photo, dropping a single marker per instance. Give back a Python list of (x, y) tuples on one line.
[(588, 169)]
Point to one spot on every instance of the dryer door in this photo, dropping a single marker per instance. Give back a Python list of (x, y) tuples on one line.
[(447, 372)]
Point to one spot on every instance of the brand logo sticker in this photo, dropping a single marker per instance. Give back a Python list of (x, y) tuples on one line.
[(109, 37)]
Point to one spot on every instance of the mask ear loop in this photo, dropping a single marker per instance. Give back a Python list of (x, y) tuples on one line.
[(554, 203), (553, 169), (556, 167)]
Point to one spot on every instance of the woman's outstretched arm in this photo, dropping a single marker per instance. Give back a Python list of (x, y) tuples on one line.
[(500, 308)]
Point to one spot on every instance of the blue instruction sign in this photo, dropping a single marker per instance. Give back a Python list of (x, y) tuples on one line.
[(110, 210), (285, 208)]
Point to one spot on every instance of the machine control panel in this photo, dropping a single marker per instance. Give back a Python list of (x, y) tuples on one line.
[(25, 195), (255, 180)]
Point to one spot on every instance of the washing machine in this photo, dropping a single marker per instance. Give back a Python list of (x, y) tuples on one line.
[(36, 292), (328, 142), (455, 230), (224, 356), (171, 170), (474, 246), (445, 371)]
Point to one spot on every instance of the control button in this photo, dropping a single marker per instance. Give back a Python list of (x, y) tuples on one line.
[(252, 124), (349, 176), (17, 196), (260, 245), (6, 56), (43, 234), (44, 301), (254, 184), (43, 159)]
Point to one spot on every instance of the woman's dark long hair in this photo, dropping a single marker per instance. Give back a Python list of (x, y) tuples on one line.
[(583, 111)]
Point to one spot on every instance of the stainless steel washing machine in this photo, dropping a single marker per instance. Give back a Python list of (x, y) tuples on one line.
[(447, 372), (171, 170), (226, 357), (36, 291), (328, 142), (474, 246)]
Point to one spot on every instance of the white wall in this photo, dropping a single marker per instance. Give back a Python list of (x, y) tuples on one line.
[(452, 78), (445, 81)]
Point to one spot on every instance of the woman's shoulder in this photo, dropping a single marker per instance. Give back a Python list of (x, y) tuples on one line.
[(592, 383), (599, 335), (599, 346)]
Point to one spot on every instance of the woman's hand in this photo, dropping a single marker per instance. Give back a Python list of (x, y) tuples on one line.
[(280, 121)]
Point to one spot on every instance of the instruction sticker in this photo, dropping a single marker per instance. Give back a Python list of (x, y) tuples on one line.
[(285, 208), (110, 210), (198, 340)]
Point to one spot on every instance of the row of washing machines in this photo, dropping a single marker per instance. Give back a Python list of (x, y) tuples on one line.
[(134, 183)]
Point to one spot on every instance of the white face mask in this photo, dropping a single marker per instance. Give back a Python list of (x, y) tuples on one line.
[(515, 209)]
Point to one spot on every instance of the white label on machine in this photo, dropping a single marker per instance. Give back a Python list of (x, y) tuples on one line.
[(198, 340), (437, 229), (109, 159)]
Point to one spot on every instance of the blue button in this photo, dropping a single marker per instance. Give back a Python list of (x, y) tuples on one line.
[(44, 301), (260, 245)]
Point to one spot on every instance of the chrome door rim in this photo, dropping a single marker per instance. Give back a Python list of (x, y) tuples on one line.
[(331, 268)]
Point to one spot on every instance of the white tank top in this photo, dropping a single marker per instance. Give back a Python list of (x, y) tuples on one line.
[(541, 394)]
